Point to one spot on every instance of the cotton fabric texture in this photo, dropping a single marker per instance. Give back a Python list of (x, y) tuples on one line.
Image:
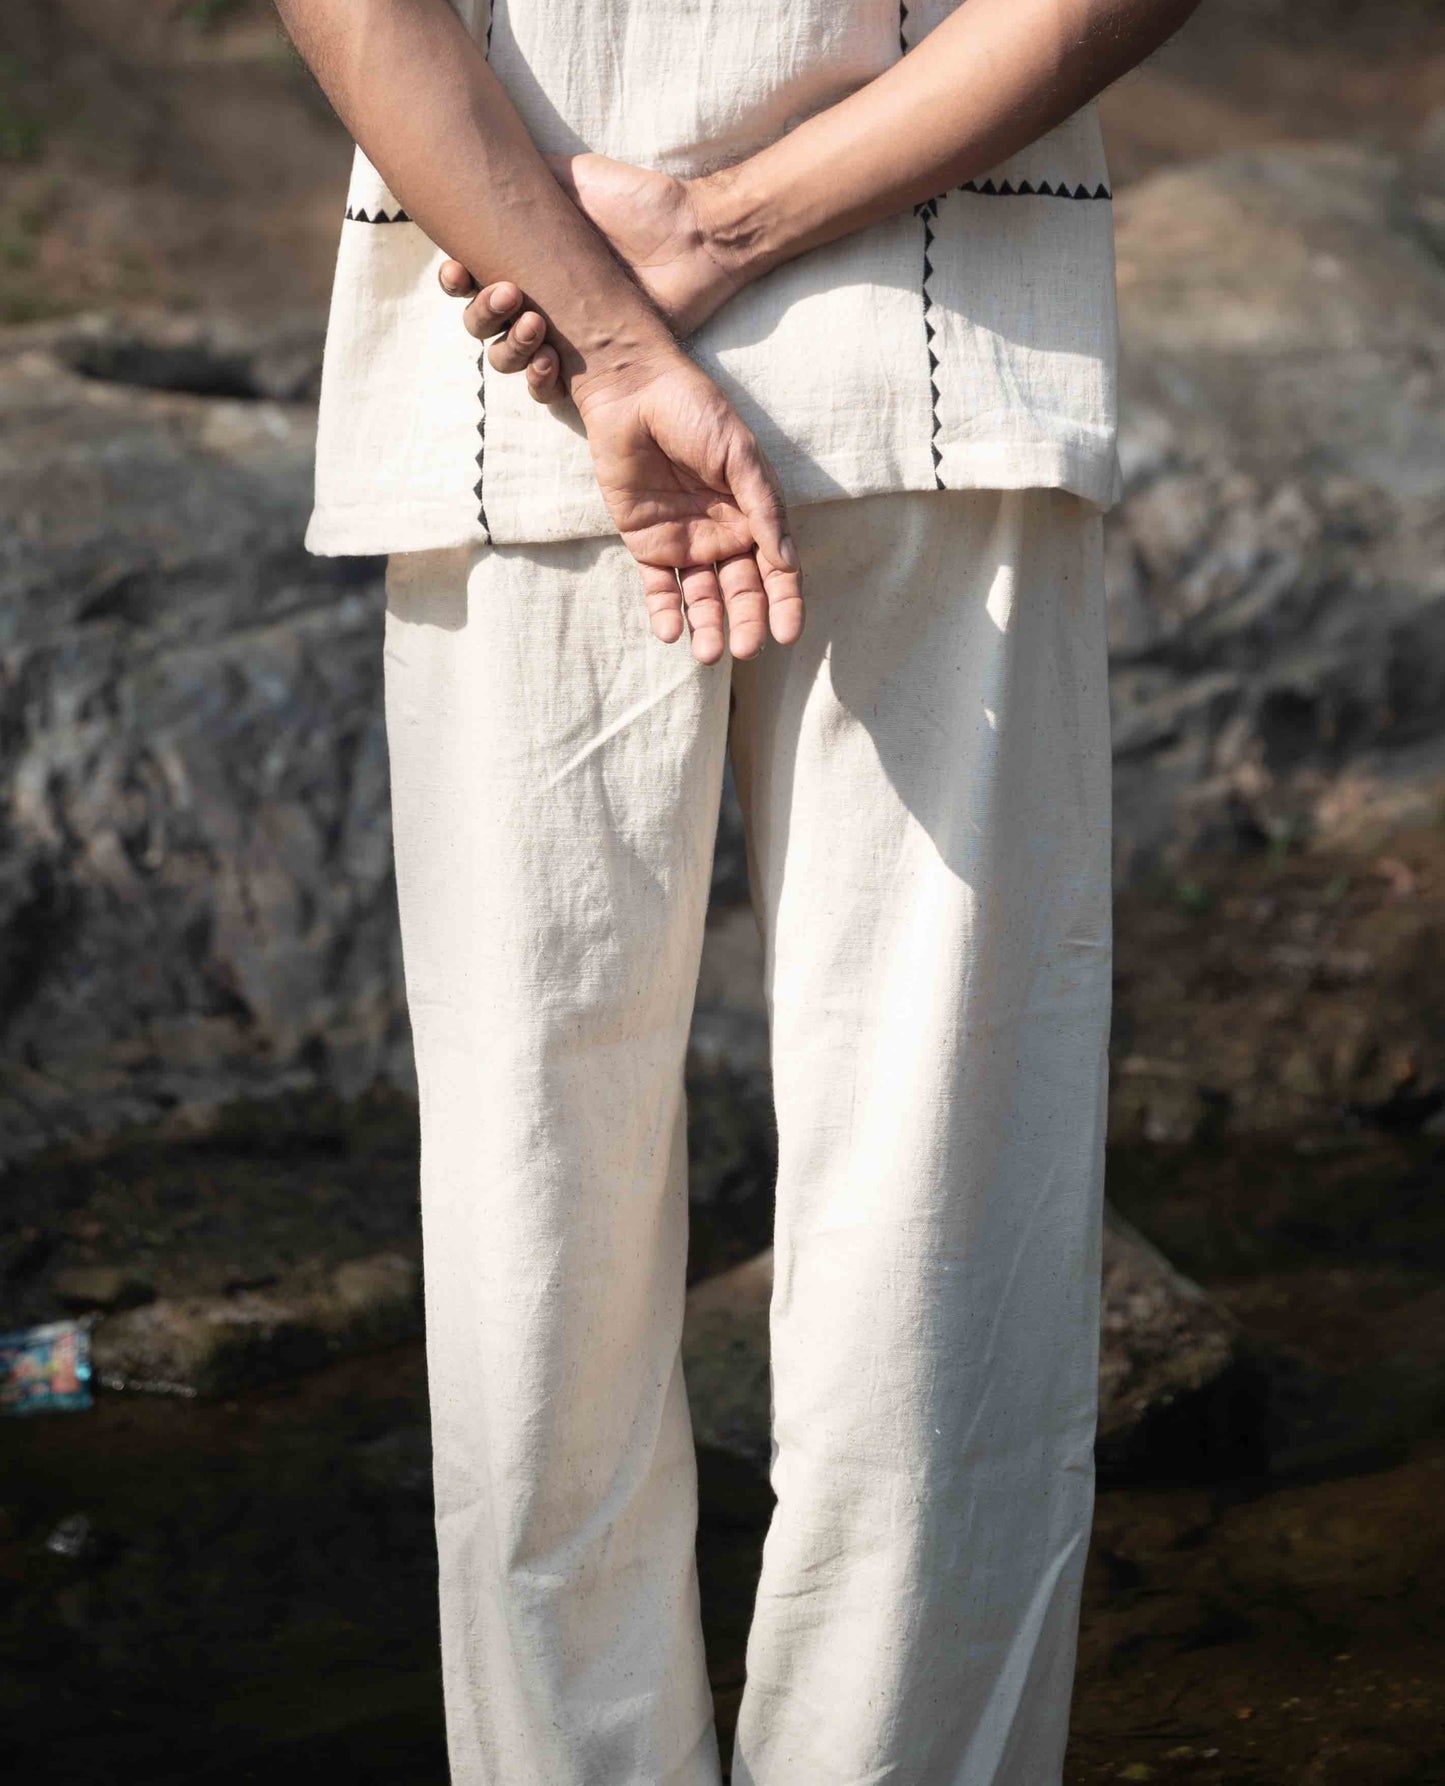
[(968, 344), (925, 782)]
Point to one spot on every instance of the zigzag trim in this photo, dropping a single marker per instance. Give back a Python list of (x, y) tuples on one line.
[(477, 488), (1026, 189), (926, 212), (363, 216)]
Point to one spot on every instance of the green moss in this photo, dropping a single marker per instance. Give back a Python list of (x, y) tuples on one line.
[(22, 135), (209, 15)]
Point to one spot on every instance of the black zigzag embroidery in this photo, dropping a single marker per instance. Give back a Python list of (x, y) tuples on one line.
[(363, 216), (479, 488), (1027, 189), (926, 212)]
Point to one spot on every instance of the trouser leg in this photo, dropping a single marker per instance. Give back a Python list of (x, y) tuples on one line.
[(926, 781), (555, 781)]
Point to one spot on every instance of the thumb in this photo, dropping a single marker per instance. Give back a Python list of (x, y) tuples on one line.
[(756, 491)]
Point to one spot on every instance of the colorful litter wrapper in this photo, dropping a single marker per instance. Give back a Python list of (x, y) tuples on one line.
[(45, 1369)]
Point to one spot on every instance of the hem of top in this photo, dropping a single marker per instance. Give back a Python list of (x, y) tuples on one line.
[(361, 530)]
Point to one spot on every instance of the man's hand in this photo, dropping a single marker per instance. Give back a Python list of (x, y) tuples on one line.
[(697, 504), (686, 483), (658, 229), (692, 495), (500, 310)]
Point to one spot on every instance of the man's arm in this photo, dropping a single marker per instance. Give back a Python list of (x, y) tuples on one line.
[(987, 82), (416, 92), (991, 79), (691, 492)]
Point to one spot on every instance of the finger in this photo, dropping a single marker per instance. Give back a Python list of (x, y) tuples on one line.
[(544, 375), (663, 596), (785, 602), (455, 280), (755, 490), (492, 309), (702, 603), (746, 603), (514, 349)]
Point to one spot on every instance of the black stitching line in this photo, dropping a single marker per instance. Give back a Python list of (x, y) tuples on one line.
[(380, 217), (1027, 189), (479, 488), (482, 444), (926, 212)]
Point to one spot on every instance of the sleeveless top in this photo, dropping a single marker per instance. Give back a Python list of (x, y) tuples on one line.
[(969, 342)]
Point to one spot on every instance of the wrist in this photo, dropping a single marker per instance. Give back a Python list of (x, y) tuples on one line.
[(737, 220), (617, 362)]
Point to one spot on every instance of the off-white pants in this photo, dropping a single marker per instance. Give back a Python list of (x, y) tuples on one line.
[(925, 781)]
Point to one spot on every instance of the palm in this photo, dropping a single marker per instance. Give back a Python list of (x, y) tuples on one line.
[(665, 468), (686, 484)]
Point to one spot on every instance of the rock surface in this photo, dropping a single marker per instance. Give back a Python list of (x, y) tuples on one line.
[(216, 1345), (1169, 1360), (195, 888), (1277, 585)]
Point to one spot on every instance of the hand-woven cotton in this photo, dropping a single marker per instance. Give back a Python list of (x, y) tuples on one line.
[(968, 344), (925, 781)]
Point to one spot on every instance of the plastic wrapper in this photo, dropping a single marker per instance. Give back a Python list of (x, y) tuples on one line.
[(45, 1369)]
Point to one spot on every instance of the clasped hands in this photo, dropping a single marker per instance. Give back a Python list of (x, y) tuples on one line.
[(690, 490)]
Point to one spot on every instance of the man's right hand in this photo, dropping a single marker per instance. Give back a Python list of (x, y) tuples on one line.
[(686, 483), (696, 502)]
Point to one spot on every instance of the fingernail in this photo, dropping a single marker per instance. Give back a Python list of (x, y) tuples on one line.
[(500, 304), (788, 552)]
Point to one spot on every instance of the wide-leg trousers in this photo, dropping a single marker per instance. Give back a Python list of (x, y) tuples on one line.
[(925, 783)]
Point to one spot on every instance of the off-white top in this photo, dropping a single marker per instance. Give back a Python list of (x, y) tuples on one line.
[(968, 343)]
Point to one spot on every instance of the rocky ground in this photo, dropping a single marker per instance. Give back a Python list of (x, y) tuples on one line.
[(223, 1572)]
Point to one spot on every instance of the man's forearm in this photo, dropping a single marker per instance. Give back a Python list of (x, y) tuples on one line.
[(417, 94), (993, 77)]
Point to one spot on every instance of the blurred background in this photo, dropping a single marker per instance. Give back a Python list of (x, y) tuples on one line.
[(221, 1570)]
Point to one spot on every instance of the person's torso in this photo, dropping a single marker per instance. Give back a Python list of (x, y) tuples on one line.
[(967, 343)]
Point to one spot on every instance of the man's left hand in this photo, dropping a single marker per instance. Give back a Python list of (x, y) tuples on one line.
[(654, 225)]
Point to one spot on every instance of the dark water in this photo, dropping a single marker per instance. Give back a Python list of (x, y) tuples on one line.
[(247, 1590)]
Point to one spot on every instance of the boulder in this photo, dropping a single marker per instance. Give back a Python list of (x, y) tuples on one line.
[(725, 1359), (1176, 1387), (1173, 1386), (195, 887), (207, 1346)]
